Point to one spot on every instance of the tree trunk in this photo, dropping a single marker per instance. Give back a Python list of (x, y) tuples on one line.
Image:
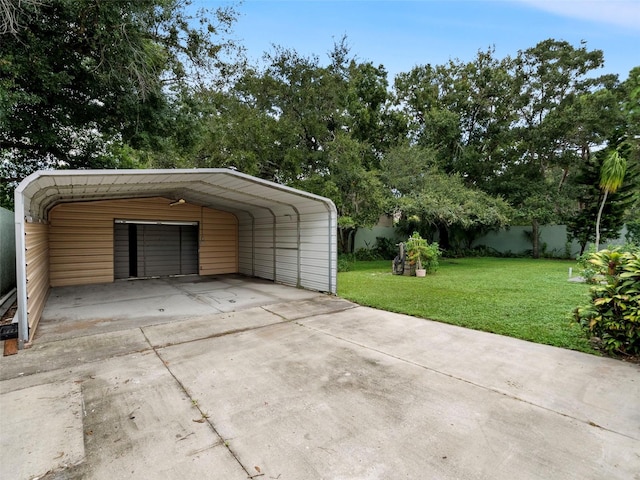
[(343, 240), (443, 238), (583, 247), (604, 199), (352, 240), (535, 238), (346, 239)]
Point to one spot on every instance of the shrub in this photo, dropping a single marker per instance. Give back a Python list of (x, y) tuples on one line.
[(385, 248), (422, 253), (613, 316), (588, 270), (633, 232), (367, 254), (345, 262)]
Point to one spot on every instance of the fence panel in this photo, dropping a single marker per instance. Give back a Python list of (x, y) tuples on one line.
[(7, 252)]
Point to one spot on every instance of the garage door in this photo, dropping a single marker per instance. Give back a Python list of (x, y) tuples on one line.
[(155, 249)]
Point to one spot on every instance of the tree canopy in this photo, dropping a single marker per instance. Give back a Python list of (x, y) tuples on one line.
[(79, 78), (453, 150)]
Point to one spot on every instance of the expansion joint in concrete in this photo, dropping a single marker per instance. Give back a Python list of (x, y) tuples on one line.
[(203, 414)]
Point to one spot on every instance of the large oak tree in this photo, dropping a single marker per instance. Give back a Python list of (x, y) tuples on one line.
[(80, 79)]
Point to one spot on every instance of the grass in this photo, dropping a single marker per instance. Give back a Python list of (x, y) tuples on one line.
[(522, 298)]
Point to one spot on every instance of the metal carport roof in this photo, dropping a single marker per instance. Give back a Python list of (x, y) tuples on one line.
[(218, 188), (253, 201)]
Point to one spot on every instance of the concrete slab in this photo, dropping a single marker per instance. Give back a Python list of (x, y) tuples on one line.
[(280, 292), (61, 354), (311, 386), (236, 298), (24, 413), (318, 305), (210, 326), (581, 386), (139, 423), (77, 311), (133, 420), (101, 308), (299, 403)]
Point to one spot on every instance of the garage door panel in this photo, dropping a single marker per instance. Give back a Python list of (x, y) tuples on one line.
[(188, 250), (121, 250), (161, 252), (158, 250)]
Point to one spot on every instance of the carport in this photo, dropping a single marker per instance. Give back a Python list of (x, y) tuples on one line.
[(80, 227)]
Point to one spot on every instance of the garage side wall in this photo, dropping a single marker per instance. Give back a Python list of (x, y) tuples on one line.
[(81, 237), (297, 249), (318, 252), (37, 270), (245, 245)]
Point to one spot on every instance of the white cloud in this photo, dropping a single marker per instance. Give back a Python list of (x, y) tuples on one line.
[(623, 13)]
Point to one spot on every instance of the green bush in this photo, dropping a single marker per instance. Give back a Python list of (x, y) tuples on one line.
[(588, 270), (346, 262), (613, 315), (633, 232), (482, 251), (422, 253), (385, 248), (367, 255)]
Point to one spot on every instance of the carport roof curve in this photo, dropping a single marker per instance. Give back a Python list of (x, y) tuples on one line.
[(218, 188)]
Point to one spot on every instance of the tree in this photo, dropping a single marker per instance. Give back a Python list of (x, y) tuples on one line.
[(369, 116), (80, 76), (622, 136), (357, 191), (462, 110), (581, 224), (556, 129), (11, 13), (518, 127), (631, 109), (322, 128), (431, 202), (611, 178)]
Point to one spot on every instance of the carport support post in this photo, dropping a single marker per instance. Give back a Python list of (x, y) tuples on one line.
[(21, 271)]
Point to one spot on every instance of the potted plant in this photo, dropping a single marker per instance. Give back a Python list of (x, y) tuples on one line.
[(422, 254)]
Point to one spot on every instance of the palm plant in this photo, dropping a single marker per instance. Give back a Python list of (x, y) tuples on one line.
[(612, 174)]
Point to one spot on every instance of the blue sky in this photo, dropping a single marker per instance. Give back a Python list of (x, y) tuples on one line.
[(401, 34)]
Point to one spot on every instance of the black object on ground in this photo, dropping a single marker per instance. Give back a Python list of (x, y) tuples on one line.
[(8, 331)]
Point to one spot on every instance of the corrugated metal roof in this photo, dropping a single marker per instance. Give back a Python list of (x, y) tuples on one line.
[(222, 189)]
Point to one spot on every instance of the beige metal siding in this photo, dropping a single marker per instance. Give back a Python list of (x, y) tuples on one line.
[(218, 244), (121, 251), (37, 268), (82, 237)]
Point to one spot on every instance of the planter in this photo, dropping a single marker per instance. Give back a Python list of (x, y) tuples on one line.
[(409, 269), (421, 272)]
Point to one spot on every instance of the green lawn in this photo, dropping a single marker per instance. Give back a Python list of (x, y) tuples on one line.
[(522, 298)]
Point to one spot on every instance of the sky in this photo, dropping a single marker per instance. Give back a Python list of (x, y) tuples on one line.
[(401, 34)]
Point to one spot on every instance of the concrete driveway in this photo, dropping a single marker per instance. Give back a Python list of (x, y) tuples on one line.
[(302, 386)]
